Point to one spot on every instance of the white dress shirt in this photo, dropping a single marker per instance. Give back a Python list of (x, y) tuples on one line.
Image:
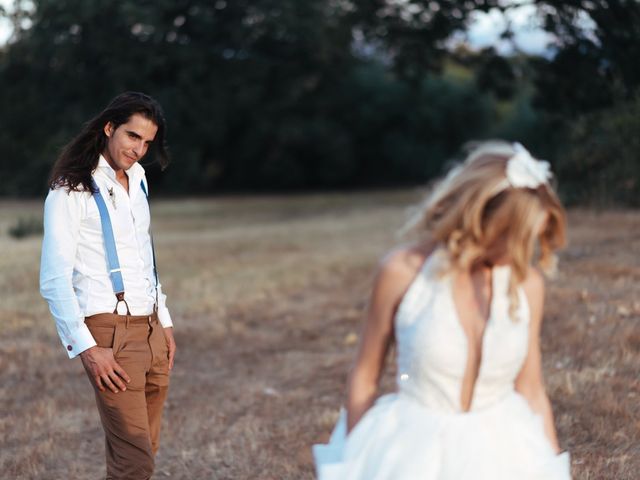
[(74, 277)]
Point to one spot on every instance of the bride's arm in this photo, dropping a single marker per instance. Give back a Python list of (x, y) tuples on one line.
[(530, 382), (393, 278)]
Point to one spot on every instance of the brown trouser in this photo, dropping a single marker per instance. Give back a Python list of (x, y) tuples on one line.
[(131, 419)]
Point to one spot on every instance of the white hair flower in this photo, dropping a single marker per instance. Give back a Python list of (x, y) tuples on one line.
[(524, 171)]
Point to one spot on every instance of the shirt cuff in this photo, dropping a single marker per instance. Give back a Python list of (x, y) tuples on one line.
[(79, 341), (165, 317)]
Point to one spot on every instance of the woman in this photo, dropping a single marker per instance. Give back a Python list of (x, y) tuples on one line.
[(464, 306)]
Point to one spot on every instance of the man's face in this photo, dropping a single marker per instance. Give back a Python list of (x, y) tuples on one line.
[(128, 143)]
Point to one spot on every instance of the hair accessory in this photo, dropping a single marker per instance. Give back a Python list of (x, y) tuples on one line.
[(524, 171)]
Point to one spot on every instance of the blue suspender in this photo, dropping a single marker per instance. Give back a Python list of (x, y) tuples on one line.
[(110, 248), (153, 249)]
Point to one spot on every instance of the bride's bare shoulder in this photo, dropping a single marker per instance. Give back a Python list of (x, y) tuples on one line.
[(401, 265), (396, 272)]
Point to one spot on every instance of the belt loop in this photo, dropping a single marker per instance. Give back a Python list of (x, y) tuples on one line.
[(126, 322)]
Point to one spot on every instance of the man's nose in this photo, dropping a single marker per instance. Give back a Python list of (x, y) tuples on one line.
[(139, 148)]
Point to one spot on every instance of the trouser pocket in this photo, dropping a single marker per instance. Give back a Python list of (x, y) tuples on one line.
[(106, 334)]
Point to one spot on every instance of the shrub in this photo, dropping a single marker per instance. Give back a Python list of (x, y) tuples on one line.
[(26, 227), (601, 165)]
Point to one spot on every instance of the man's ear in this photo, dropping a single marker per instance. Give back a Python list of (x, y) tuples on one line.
[(108, 129)]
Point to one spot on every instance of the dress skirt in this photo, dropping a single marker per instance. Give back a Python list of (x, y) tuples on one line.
[(400, 438)]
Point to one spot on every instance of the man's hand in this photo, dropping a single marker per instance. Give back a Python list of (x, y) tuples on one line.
[(103, 369), (171, 344)]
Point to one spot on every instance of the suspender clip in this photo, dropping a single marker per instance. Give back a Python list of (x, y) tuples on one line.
[(120, 298)]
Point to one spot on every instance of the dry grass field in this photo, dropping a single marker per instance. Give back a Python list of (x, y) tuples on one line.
[(267, 295)]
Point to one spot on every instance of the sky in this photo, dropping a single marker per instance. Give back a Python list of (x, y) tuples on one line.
[(5, 26), (484, 30), (529, 37)]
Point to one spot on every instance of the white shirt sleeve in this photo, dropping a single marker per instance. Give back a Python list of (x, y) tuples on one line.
[(163, 312), (62, 212)]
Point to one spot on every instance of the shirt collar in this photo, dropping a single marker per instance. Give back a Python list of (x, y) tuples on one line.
[(135, 172)]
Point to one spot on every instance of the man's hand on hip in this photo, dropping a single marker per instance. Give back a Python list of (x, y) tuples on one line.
[(171, 344), (103, 369)]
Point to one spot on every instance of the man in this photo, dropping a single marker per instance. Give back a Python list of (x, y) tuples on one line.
[(98, 275)]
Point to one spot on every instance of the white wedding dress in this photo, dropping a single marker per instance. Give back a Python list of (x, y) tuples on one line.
[(421, 432)]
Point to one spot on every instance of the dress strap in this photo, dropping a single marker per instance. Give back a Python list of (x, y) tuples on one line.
[(501, 277)]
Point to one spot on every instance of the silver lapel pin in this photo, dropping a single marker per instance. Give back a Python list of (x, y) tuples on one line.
[(112, 197)]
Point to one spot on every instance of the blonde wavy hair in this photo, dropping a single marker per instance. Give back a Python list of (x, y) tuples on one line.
[(470, 211)]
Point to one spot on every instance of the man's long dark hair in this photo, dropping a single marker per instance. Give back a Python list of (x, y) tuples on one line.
[(80, 156)]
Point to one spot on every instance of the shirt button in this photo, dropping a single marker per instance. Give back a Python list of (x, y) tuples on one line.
[(69, 347)]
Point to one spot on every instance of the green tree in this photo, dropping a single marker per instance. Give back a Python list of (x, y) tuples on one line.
[(600, 165), (259, 93), (598, 44)]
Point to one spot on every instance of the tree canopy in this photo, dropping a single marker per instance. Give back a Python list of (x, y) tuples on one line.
[(284, 94)]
